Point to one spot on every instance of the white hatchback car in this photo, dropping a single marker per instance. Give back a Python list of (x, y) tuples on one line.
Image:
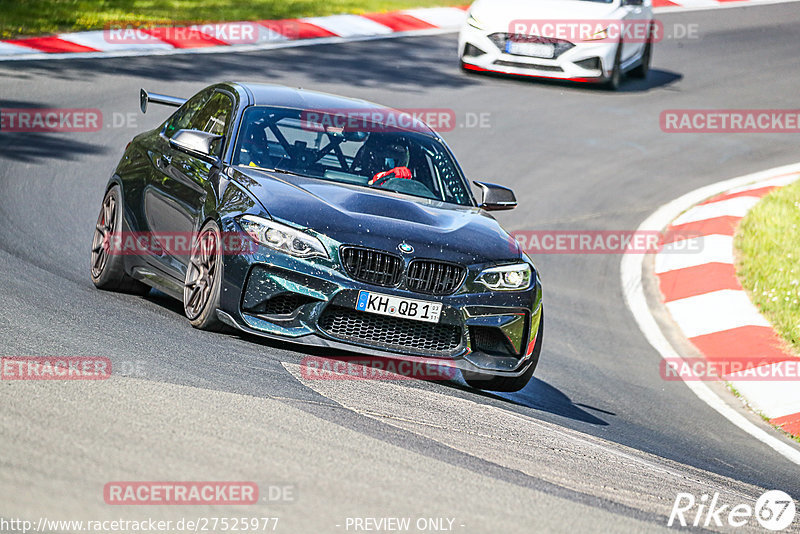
[(579, 40)]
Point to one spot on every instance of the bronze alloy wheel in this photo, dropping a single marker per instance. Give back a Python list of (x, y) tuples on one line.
[(108, 265), (106, 223), (201, 287), (201, 273)]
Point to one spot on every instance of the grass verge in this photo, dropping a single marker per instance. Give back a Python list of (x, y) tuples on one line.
[(39, 17), (768, 263)]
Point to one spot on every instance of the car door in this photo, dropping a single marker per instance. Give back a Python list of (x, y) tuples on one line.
[(183, 182)]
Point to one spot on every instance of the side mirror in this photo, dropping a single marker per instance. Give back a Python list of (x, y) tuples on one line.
[(496, 197), (196, 143)]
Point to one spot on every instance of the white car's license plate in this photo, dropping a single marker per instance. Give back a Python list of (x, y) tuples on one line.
[(418, 310), (543, 50)]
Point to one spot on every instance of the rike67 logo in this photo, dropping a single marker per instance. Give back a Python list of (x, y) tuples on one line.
[(774, 510)]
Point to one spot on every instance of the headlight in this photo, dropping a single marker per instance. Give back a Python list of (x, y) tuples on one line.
[(599, 36), (282, 238), (507, 277), (475, 23)]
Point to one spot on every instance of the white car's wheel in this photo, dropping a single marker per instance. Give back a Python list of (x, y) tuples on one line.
[(615, 80), (644, 67)]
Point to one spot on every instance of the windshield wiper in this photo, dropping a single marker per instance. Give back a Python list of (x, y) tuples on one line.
[(282, 171), (286, 171)]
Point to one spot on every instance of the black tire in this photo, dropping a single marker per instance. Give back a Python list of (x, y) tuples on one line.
[(506, 384), (203, 284), (615, 81), (107, 269), (643, 69)]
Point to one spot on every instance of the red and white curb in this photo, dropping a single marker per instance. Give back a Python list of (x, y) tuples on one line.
[(215, 38), (704, 298)]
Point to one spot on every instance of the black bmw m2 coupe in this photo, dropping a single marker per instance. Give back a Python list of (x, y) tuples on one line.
[(355, 230)]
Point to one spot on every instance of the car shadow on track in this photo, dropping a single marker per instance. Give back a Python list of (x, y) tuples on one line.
[(412, 64), (656, 79), (34, 147), (537, 395), (541, 396), (31, 147)]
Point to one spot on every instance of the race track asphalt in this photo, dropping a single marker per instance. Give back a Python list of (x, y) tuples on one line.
[(598, 441)]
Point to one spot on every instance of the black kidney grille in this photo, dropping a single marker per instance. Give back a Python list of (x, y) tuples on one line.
[(433, 277), (390, 332), (372, 266)]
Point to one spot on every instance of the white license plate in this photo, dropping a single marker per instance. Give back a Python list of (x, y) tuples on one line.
[(542, 50), (418, 310)]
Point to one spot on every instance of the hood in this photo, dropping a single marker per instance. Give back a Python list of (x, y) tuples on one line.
[(497, 15), (382, 220)]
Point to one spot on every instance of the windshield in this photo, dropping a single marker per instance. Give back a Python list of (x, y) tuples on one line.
[(346, 148)]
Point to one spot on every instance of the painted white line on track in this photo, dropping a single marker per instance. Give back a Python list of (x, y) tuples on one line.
[(633, 290)]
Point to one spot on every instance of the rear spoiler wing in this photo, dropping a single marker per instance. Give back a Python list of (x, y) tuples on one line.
[(145, 97)]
